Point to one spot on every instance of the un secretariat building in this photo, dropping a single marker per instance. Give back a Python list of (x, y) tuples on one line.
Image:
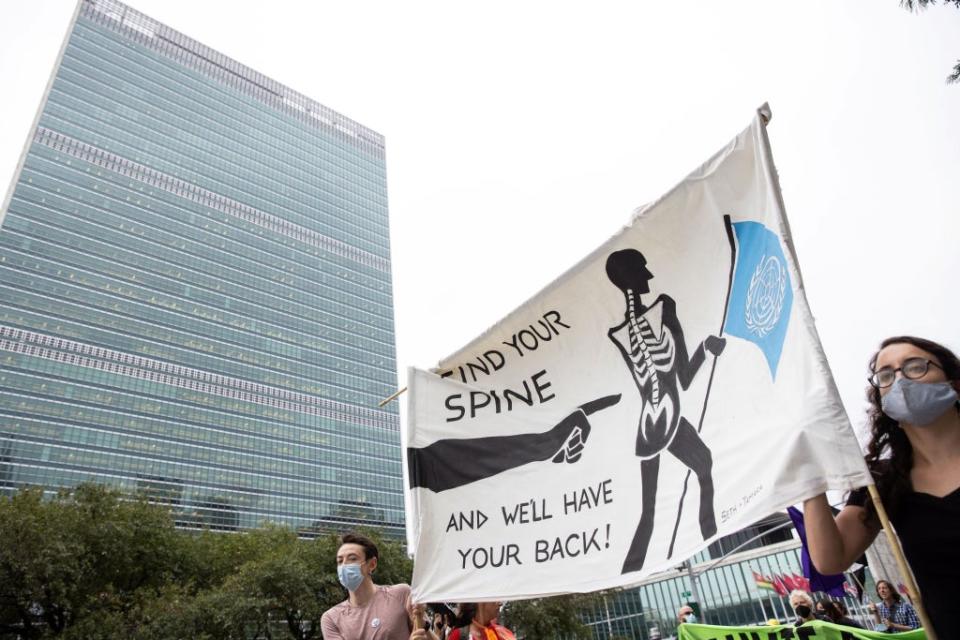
[(195, 290)]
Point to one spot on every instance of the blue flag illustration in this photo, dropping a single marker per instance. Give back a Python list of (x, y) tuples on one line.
[(762, 295)]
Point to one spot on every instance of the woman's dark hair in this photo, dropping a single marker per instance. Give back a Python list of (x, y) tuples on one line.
[(893, 592), (832, 610), (892, 475), (468, 611)]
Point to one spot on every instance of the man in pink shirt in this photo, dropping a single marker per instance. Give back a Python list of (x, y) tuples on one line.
[(372, 611)]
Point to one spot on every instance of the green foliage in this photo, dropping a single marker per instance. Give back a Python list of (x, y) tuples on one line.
[(918, 5), (955, 74), (82, 553), (92, 565), (555, 617)]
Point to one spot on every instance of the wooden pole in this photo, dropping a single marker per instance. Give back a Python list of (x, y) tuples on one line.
[(416, 617), (902, 562), (392, 397)]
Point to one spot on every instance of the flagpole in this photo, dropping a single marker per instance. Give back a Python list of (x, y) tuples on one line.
[(780, 615), (773, 607), (763, 611), (901, 561), (394, 396), (863, 588), (857, 604), (728, 225)]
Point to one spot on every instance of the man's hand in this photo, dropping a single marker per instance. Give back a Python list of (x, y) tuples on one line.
[(415, 611), (418, 623)]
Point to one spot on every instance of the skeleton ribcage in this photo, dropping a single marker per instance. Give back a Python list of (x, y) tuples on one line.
[(650, 354)]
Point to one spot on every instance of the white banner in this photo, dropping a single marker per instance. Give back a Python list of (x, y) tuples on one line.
[(667, 390)]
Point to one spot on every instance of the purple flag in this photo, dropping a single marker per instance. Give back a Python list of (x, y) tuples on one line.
[(831, 585)]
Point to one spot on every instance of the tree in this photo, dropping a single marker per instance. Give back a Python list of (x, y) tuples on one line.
[(918, 5), (39, 562), (93, 564), (279, 586), (84, 553), (554, 617)]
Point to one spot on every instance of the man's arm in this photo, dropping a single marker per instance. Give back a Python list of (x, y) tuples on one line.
[(329, 628)]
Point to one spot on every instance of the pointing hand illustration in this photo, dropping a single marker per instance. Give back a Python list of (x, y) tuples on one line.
[(577, 428)]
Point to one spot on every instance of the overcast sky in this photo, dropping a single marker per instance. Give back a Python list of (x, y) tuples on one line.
[(521, 135)]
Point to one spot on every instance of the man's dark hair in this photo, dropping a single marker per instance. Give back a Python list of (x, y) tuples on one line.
[(369, 548)]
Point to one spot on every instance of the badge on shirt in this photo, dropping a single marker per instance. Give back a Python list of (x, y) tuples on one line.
[(375, 623)]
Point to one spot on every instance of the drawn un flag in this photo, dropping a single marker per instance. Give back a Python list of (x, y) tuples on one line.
[(762, 297)]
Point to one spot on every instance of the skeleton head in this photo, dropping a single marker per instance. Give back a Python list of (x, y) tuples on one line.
[(627, 269)]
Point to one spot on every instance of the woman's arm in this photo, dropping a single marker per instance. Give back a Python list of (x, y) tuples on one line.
[(835, 543)]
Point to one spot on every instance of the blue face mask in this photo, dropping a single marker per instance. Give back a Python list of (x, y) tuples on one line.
[(918, 403), (350, 576), (690, 618)]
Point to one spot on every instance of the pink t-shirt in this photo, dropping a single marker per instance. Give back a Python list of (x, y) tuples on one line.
[(385, 617)]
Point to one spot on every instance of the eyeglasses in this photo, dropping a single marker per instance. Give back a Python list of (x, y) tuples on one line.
[(912, 369)]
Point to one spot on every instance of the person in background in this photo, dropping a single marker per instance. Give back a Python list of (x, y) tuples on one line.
[(892, 613), (478, 621), (802, 605), (370, 610), (834, 612), (686, 615), (914, 456), (440, 621)]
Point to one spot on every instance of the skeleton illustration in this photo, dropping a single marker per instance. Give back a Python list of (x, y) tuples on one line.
[(651, 341)]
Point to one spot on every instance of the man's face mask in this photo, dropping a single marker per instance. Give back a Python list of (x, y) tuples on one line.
[(802, 610), (350, 576)]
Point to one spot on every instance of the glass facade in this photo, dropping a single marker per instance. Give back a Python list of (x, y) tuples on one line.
[(725, 591), (195, 290)]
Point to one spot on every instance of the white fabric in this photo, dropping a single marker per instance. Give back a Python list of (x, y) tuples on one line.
[(775, 426)]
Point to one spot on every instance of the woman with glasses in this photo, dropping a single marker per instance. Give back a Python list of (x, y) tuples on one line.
[(914, 456)]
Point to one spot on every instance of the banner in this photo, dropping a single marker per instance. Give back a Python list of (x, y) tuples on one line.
[(816, 629), (668, 389)]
